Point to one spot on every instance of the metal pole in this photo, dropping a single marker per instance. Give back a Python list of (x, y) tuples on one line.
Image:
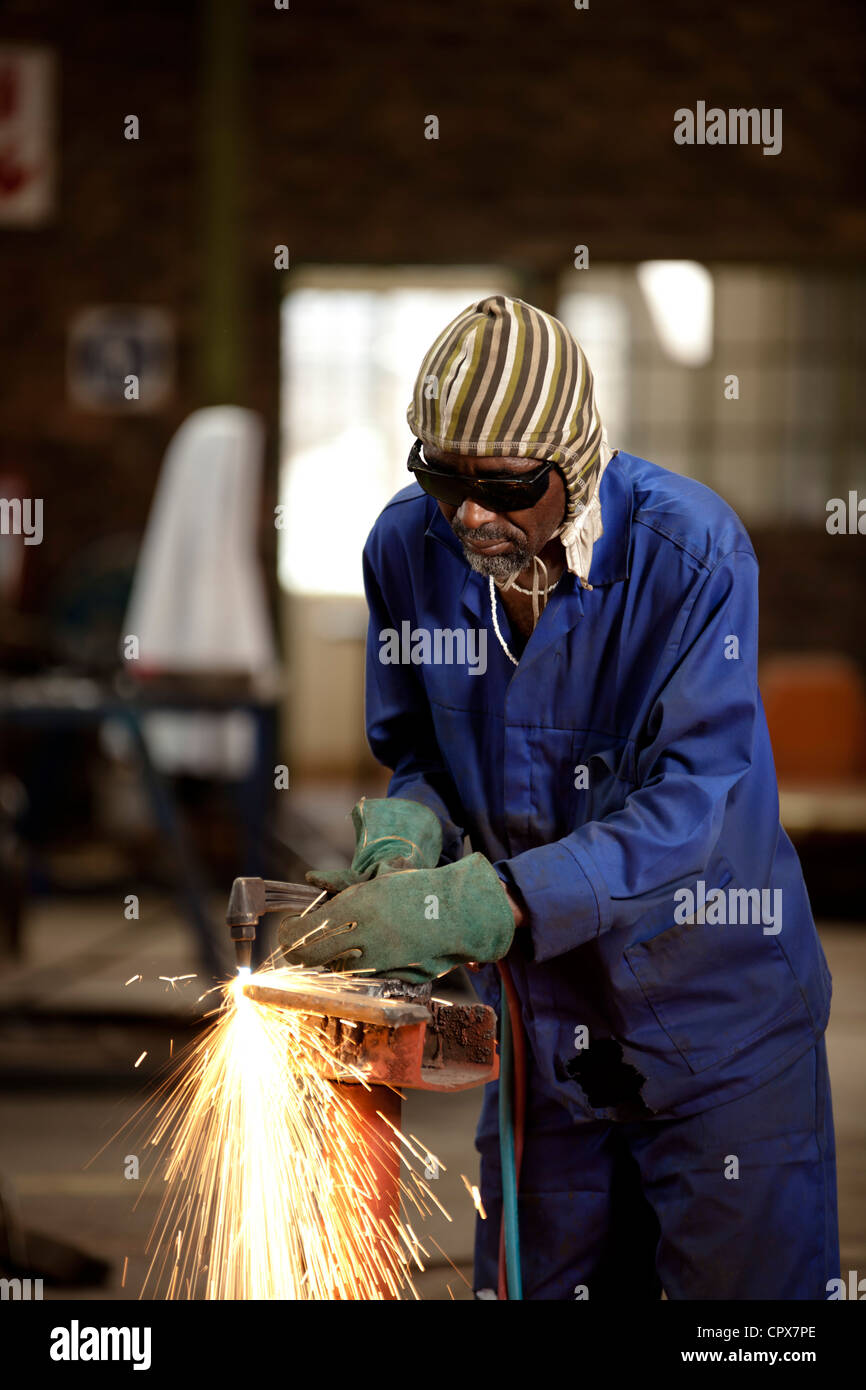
[(384, 1160), (224, 61)]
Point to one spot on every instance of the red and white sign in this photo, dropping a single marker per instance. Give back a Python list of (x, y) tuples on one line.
[(27, 155)]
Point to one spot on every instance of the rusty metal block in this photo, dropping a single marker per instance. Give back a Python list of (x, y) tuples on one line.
[(384, 1030)]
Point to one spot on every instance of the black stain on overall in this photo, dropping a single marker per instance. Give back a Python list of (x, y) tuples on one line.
[(606, 1078)]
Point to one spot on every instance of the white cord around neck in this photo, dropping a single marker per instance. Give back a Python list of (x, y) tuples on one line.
[(503, 644), (516, 587)]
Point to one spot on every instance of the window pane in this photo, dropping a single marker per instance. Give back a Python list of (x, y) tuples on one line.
[(350, 358)]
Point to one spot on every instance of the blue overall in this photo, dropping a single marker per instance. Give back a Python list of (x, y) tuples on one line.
[(673, 988)]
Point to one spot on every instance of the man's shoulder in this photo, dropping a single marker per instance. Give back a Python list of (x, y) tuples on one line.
[(406, 516), (410, 503), (679, 511)]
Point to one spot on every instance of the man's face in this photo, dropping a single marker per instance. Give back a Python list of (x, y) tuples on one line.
[(501, 544)]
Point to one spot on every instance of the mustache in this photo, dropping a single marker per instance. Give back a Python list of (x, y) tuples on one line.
[(484, 534)]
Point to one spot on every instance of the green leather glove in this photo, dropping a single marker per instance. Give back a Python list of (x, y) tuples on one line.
[(390, 834), (415, 924)]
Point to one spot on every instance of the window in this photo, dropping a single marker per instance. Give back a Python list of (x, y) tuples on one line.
[(783, 437), (352, 343)]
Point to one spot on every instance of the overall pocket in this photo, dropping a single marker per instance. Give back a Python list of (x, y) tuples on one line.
[(715, 989)]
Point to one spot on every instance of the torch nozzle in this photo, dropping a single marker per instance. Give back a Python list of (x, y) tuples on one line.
[(250, 899), (244, 955)]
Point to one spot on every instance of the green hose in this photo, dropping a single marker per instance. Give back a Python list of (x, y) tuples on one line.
[(506, 1151)]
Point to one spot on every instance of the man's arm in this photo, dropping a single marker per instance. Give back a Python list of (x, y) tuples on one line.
[(697, 746)]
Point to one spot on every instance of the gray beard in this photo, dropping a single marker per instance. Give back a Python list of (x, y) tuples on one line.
[(501, 567)]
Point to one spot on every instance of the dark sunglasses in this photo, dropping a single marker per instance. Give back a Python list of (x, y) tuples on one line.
[(496, 492)]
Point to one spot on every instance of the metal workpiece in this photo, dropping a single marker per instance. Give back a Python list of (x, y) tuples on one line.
[(391, 1033), (361, 1002)]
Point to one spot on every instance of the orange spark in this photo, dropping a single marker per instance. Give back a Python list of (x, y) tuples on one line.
[(270, 1169), (475, 1195)]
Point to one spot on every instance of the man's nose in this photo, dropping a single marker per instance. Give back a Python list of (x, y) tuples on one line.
[(472, 515)]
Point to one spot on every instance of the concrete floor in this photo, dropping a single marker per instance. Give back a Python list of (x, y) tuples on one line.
[(68, 1083)]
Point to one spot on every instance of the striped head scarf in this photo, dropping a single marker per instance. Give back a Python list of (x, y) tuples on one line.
[(506, 380)]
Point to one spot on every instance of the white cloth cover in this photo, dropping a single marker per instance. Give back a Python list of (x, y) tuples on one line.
[(198, 602)]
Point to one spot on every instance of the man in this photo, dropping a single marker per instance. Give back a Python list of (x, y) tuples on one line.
[(612, 769)]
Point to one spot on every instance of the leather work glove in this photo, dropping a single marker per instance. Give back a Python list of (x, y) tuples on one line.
[(415, 924), (390, 834)]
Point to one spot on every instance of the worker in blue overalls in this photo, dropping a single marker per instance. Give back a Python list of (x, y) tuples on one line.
[(562, 666)]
